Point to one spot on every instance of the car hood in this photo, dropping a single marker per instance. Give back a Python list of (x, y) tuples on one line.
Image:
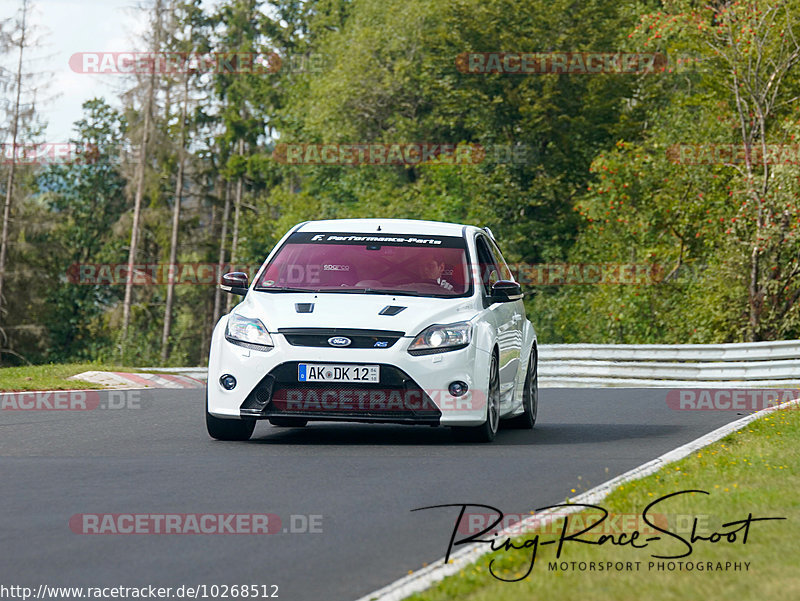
[(357, 311)]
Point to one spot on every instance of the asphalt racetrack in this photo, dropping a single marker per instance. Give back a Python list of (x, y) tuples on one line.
[(354, 484)]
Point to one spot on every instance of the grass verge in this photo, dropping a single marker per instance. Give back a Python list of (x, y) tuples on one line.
[(51, 377), (754, 470)]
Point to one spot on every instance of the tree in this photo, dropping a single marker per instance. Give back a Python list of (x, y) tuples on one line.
[(189, 19), (243, 96), (141, 163), (85, 199), (755, 45), (391, 76), (18, 39), (16, 36), (722, 228)]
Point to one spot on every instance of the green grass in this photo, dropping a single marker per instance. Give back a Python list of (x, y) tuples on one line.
[(753, 470), (51, 377)]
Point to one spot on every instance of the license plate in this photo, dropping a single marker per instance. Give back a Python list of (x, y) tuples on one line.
[(316, 372)]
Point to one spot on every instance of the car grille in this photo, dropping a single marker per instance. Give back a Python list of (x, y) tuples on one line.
[(396, 398), (373, 339)]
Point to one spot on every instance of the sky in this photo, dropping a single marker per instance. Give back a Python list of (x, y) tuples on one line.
[(66, 27)]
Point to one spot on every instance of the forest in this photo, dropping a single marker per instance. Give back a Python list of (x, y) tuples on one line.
[(636, 160)]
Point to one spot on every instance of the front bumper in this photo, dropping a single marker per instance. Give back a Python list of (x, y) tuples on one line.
[(396, 398), (412, 389)]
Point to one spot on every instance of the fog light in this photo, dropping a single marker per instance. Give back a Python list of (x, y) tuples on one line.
[(458, 388), (228, 382)]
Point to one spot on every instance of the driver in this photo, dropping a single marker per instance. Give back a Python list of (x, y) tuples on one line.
[(430, 270)]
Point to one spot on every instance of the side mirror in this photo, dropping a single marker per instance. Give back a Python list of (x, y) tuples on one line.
[(235, 283), (506, 291)]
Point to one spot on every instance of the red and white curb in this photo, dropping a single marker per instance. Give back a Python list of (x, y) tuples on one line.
[(578, 381), (122, 380), (429, 575)]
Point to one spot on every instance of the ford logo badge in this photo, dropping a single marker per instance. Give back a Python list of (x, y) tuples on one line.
[(339, 341)]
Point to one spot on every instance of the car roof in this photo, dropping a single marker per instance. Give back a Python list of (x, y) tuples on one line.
[(389, 226)]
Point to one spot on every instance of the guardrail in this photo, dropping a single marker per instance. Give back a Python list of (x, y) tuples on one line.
[(768, 364), (740, 364)]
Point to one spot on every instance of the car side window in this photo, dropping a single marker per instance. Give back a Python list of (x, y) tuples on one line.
[(505, 272), (488, 272)]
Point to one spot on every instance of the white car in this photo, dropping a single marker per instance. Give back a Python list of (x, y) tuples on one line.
[(375, 320)]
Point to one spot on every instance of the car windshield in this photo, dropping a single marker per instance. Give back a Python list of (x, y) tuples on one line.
[(370, 264)]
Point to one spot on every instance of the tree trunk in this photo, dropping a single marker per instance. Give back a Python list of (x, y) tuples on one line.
[(12, 165), (235, 241), (137, 203), (176, 221), (226, 214), (755, 297)]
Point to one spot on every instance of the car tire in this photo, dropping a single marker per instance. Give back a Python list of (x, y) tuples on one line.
[(487, 431), (530, 396), (228, 429), (288, 422)]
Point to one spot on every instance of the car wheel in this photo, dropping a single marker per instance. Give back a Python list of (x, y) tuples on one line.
[(228, 429), (487, 431), (288, 422), (530, 396)]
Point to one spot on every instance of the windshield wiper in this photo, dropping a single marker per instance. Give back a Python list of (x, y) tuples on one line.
[(284, 289), (379, 291), (344, 291)]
